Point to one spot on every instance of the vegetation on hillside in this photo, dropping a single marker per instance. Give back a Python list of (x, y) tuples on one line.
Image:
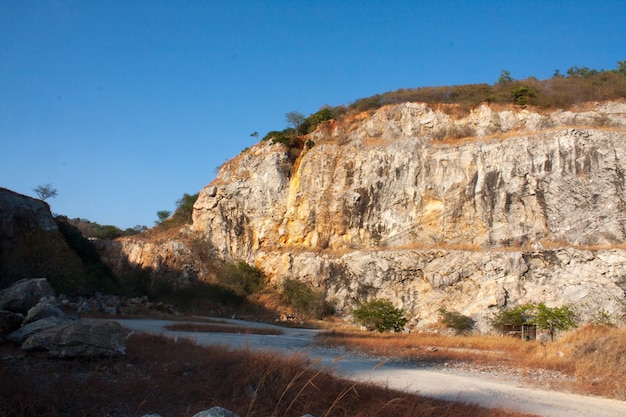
[(550, 319), (379, 314), (578, 85)]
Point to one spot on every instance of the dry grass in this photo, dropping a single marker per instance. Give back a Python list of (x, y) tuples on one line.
[(159, 375), (594, 355)]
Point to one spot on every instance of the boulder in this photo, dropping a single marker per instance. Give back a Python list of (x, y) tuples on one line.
[(46, 308), (20, 335), (80, 338), (25, 294), (216, 412)]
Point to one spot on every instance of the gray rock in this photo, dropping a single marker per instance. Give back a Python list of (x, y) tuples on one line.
[(216, 412), (20, 335), (25, 294), (80, 338), (43, 310)]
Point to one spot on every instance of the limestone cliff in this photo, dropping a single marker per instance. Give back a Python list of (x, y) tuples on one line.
[(411, 203)]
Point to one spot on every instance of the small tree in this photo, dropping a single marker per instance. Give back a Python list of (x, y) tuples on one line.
[(45, 191), (454, 320), (296, 119), (512, 315), (505, 77), (162, 215), (379, 314), (553, 319)]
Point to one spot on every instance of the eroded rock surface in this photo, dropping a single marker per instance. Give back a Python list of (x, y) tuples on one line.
[(529, 207)]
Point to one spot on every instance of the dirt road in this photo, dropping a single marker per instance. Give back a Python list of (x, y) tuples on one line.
[(427, 382)]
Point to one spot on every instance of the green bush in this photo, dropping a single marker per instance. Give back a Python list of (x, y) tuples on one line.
[(454, 320), (550, 319), (307, 302), (512, 315), (380, 315), (553, 319)]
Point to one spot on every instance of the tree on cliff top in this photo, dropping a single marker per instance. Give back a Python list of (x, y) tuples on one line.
[(45, 191)]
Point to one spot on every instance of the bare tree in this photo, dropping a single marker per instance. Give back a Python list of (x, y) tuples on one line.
[(295, 118), (45, 191)]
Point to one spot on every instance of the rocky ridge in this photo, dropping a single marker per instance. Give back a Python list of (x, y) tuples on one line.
[(496, 208)]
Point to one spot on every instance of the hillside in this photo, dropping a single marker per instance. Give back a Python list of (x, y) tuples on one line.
[(502, 206)]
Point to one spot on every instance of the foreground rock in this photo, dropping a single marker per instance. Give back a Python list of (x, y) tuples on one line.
[(25, 294), (46, 327), (80, 338)]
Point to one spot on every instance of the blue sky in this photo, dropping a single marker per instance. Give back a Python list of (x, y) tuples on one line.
[(123, 106)]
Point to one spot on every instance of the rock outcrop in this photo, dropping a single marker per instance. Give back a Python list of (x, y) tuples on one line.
[(496, 208), (531, 207), (31, 244)]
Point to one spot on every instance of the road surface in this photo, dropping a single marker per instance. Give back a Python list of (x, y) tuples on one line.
[(403, 377)]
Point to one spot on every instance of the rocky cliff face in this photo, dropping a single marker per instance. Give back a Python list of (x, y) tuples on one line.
[(409, 203)]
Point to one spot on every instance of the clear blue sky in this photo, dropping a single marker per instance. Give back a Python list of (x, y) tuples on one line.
[(123, 106)]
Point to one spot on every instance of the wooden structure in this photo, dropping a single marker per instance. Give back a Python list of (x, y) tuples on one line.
[(520, 331)]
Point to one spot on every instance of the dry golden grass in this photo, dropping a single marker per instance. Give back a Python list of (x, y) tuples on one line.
[(593, 355), (159, 375)]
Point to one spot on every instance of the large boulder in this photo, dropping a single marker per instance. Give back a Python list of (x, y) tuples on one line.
[(80, 338), (25, 294), (47, 307), (19, 336)]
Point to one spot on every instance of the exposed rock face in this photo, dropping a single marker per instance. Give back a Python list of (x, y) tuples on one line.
[(31, 244), (387, 205), (386, 182)]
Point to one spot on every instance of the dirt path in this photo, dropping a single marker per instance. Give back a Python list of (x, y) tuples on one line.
[(427, 382)]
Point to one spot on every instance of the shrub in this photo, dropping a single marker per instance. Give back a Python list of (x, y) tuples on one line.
[(553, 319), (456, 321), (241, 278), (379, 314), (512, 315), (305, 300), (545, 318)]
